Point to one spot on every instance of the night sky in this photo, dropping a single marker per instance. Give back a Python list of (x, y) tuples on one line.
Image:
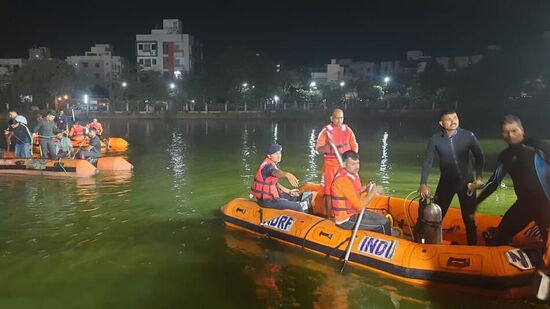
[(297, 32)]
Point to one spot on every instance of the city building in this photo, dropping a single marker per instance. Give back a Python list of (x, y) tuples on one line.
[(39, 53), (99, 64), (10, 65), (168, 51), (339, 70)]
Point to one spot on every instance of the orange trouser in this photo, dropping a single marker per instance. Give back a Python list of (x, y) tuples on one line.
[(330, 167)]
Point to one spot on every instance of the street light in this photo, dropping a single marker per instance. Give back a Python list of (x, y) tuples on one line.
[(245, 84), (342, 84), (124, 84), (387, 79), (312, 84), (66, 97), (276, 98), (172, 86)]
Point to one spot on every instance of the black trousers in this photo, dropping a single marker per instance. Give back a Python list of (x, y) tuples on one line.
[(518, 217), (444, 194)]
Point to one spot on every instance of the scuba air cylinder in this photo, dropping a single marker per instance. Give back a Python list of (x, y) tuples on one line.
[(427, 229)]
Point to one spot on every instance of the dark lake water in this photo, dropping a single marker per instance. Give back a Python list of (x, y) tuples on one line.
[(155, 238)]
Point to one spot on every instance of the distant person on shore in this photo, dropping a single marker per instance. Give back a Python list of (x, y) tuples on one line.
[(46, 130), (527, 161), (62, 121), (22, 137), (93, 150), (453, 146), (267, 189), (95, 124), (334, 135)]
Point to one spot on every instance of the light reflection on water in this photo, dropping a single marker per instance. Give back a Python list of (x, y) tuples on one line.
[(177, 153), (248, 154), (385, 167), (312, 171)]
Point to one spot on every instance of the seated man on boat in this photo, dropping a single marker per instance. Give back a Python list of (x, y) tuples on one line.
[(528, 163), (63, 145), (267, 189), (97, 126), (93, 151), (77, 132), (346, 201)]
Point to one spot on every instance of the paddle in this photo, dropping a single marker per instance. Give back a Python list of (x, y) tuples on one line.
[(370, 188), (338, 155)]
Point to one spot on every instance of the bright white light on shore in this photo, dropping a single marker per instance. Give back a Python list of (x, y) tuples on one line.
[(192, 101), (387, 79), (313, 84), (85, 99), (66, 97), (245, 84), (342, 84), (276, 98), (172, 86), (59, 98), (177, 74), (124, 84)]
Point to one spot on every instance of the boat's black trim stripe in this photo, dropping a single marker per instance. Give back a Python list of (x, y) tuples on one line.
[(68, 169), (486, 282)]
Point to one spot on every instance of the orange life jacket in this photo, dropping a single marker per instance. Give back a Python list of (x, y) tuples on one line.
[(341, 137), (97, 127), (547, 254), (341, 207), (265, 189), (77, 130)]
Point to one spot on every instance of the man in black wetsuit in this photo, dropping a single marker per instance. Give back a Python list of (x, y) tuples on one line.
[(526, 160), (453, 146)]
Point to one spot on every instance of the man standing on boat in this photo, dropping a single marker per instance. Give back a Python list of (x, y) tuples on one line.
[(527, 161), (267, 189), (453, 146), (46, 130), (346, 201), (335, 135)]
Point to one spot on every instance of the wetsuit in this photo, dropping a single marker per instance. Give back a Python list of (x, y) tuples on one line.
[(456, 173), (528, 167)]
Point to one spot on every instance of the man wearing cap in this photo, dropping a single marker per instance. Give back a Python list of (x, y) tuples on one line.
[(22, 137), (335, 135), (267, 189), (46, 130)]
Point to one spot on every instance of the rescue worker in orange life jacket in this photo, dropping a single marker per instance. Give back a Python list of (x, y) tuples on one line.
[(77, 131), (341, 136), (346, 201), (267, 189)]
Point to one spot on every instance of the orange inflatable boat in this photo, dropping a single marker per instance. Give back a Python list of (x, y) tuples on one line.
[(62, 167), (102, 164), (501, 271), (110, 144)]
